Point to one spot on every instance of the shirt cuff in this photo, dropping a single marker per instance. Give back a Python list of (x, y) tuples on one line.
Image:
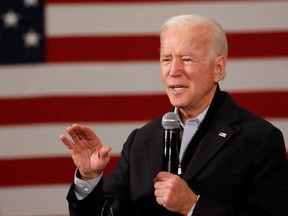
[(84, 188), (192, 209)]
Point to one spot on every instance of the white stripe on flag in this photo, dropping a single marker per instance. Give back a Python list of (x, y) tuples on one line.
[(86, 19), (130, 78), (34, 201), (43, 139)]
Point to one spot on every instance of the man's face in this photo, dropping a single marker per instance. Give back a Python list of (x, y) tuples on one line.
[(187, 68)]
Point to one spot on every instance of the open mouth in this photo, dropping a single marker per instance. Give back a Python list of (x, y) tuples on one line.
[(177, 88)]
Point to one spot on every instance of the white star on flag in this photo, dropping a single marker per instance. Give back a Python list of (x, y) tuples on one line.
[(31, 38), (10, 19), (31, 3)]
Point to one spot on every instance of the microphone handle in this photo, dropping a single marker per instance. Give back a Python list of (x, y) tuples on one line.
[(170, 150), (170, 157), (165, 151)]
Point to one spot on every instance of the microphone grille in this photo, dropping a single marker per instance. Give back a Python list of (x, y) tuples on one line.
[(170, 121)]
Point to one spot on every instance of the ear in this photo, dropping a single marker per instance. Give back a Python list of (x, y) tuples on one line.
[(220, 67)]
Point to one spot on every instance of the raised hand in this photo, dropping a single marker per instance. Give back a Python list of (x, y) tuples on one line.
[(87, 151)]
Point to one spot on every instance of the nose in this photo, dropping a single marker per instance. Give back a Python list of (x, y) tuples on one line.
[(176, 68)]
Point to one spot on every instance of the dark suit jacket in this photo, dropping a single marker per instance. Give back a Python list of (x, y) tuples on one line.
[(241, 173)]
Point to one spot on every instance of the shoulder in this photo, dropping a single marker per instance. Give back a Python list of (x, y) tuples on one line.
[(243, 115), (150, 130), (252, 127), (152, 127)]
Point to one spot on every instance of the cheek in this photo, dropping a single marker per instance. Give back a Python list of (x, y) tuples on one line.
[(164, 74), (206, 74)]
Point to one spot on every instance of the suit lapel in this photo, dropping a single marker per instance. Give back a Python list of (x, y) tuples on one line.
[(208, 147), (216, 129)]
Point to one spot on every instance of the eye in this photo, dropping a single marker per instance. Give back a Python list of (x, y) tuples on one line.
[(187, 59), (165, 59)]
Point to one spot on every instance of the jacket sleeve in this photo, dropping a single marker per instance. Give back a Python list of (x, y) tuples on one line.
[(114, 187), (90, 206)]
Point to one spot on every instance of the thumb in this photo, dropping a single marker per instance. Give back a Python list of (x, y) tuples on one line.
[(104, 153), (162, 176)]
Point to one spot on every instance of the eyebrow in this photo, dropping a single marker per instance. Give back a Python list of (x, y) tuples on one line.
[(165, 55), (188, 54)]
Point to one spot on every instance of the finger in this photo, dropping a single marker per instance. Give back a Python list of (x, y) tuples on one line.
[(84, 132), (161, 186), (161, 200), (73, 134), (66, 142), (162, 176), (88, 133), (77, 129), (159, 193)]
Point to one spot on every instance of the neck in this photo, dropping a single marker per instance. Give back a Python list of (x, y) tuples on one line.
[(192, 112)]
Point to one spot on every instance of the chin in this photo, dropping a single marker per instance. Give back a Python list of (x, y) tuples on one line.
[(177, 103)]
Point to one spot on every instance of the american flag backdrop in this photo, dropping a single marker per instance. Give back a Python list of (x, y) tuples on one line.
[(95, 62)]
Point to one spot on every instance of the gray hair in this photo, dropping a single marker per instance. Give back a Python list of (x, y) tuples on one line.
[(217, 35)]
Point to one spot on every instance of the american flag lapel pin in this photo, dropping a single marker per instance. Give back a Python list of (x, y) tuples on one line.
[(222, 134)]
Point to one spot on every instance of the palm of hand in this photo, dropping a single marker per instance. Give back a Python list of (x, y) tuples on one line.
[(86, 150), (85, 155)]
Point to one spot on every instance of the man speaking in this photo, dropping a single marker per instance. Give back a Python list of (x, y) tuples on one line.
[(230, 161)]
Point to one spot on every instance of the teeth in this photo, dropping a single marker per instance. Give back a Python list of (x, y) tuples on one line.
[(177, 88)]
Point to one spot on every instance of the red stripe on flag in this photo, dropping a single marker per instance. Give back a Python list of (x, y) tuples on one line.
[(260, 44), (142, 48), (114, 108), (102, 48), (266, 104), (41, 171), (82, 109)]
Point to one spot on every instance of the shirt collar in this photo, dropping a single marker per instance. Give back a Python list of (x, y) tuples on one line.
[(199, 118)]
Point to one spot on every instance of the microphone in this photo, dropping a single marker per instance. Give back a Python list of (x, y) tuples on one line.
[(170, 122)]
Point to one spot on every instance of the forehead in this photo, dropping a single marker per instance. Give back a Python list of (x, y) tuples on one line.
[(185, 37)]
